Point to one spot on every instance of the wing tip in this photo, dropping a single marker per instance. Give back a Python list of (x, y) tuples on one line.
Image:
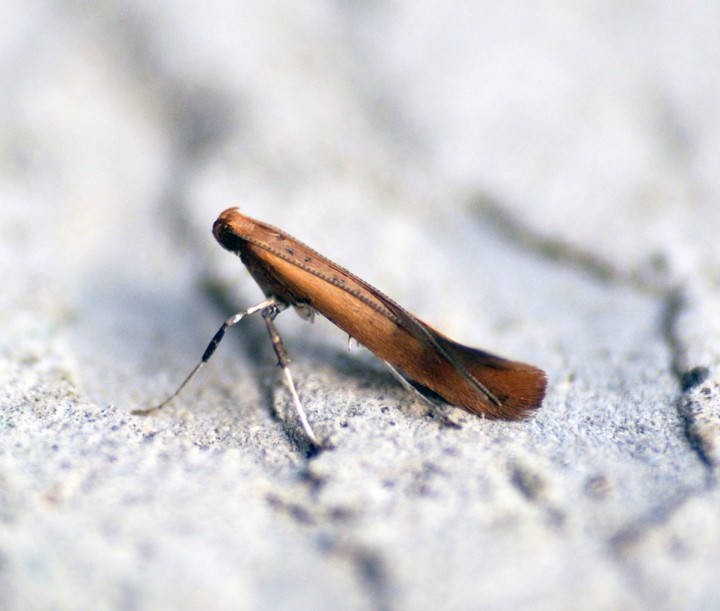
[(514, 390), (521, 392)]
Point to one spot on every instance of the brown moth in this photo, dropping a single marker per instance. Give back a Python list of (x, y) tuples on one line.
[(424, 360)]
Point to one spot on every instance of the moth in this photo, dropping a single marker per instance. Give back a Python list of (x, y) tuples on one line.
[(424, 360)]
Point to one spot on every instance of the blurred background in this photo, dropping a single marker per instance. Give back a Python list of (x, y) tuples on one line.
[(536, 178)]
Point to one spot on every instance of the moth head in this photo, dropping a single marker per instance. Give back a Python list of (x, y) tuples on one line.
[(231, 229)]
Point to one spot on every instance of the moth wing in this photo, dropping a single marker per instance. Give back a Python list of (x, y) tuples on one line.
[(509, 388)]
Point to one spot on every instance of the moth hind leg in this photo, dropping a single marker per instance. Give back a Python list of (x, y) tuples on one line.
[(426, 396)]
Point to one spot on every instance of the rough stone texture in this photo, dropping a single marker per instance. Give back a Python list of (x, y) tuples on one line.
[(541, 181)]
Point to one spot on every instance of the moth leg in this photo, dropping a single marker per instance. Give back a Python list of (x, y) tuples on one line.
[(435, 406), (269, 314), (214, 342)]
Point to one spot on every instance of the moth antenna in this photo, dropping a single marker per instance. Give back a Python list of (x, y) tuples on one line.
[(209, 351)]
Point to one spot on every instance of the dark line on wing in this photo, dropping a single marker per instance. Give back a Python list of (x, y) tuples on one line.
[(388, 313), (400, 316), (463, 371)]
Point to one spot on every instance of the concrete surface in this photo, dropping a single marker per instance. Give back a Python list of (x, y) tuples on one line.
[(540, 180)]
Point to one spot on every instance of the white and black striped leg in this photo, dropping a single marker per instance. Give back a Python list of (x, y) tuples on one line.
[(269, 315), (214, 342)]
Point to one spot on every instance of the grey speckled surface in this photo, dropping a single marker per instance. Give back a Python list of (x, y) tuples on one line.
[(543, 184)]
